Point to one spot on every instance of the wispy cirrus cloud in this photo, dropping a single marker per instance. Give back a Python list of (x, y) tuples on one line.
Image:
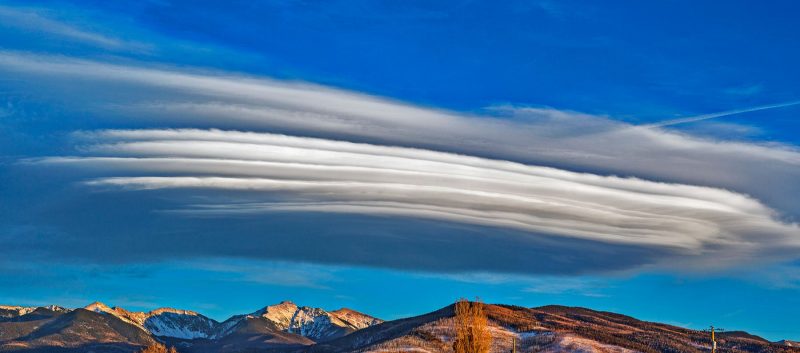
[(745, 90), (269, 273), (697, 118), (566, 285), (33, 20)]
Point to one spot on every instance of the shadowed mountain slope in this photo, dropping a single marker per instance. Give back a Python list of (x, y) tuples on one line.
[(76, 330)]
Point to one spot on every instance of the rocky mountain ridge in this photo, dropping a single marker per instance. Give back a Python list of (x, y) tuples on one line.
[(287, 327), (789, 343), (313, 323), (168, 322), (10, 311)]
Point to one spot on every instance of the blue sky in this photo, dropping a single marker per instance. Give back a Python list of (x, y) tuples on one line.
[(394, 156)]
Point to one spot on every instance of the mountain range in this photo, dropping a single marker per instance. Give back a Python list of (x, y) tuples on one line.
[(287, 327)]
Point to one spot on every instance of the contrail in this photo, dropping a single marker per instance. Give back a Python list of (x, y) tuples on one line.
[(717, 115)]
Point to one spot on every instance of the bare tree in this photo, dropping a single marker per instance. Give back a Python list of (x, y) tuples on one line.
[(471, 328)]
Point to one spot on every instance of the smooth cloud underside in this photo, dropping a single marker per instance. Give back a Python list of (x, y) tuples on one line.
[(416, 188)]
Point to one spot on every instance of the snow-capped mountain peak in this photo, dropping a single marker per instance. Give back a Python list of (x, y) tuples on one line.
[(280, 314), (98, 307), (11, 311), (173, 311), (314, 323), (168, 322), (55, 308), (178, 323), (355, 319)]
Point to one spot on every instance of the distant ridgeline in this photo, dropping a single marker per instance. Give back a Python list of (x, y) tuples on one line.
[(287, 327)]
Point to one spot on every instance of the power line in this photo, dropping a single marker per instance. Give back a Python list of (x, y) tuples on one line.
[(712, 329)]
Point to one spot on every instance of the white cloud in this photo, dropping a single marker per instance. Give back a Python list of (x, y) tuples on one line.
[(540, 136), (34, 20), (707, 201), (320, 175)]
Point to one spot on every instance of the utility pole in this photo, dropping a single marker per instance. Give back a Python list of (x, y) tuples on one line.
[(714, 338), (713, 341), (514, 344)]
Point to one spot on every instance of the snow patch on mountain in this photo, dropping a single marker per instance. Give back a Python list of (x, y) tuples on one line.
[(180, 324), (8, 311), (227, 327), (789, 343), (355, 319), (12, 311), (314, 323), (167, 322), (56, 308), (573, 343)]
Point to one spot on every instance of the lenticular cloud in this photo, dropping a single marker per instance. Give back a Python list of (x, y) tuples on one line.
[(321, 175)]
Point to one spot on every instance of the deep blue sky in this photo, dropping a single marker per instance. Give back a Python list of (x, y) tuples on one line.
[(625, 62)]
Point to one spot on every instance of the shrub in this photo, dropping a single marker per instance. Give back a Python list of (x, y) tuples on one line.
[(158, 348)]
